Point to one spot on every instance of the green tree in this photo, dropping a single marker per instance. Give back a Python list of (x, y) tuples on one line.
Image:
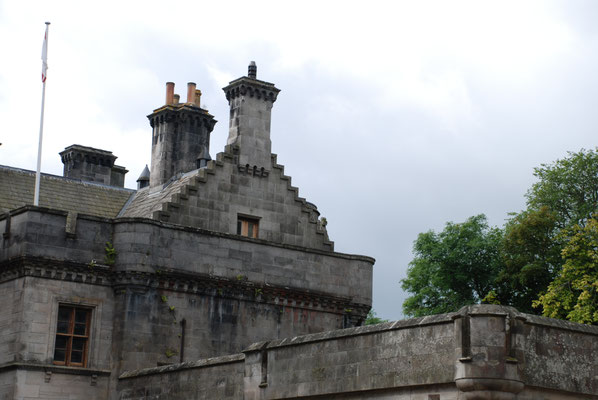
[(373, 319), (568, 187), (573, 295), (453, 268), (565, 194), (531, 256)]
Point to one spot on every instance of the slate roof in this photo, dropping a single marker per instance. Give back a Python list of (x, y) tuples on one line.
[(144, 203), (17, 186)]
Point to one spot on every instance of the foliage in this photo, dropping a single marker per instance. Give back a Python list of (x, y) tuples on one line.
[(568, 187), (566, 194), (453, 268), (110, 254), (531, 257), (170, 353), (373, 319), (546, 250), (573, 295)]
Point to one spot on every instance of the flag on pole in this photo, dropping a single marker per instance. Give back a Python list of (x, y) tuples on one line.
[(45, 56)]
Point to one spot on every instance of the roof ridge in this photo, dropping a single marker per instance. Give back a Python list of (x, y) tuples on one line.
[(63, 178)]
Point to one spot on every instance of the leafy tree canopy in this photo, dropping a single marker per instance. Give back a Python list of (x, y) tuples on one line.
[(452, 268), (542, 257), (531, 256), (568, 187), (573, 295)]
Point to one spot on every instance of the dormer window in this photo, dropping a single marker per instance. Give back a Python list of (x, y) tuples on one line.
[(248, 226)]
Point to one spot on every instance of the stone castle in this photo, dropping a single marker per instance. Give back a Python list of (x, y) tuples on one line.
[(216, 280)]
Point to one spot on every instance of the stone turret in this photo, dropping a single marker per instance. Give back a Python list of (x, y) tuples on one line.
[(250, 102), (92, 165), (180, 137), (144, 178)]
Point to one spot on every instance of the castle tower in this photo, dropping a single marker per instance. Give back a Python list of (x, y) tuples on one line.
[(250, 102), (180, 136)]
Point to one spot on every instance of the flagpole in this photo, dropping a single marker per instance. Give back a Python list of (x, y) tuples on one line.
[(41, 121)]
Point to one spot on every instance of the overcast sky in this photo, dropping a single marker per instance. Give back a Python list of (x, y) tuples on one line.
[(394, 117)]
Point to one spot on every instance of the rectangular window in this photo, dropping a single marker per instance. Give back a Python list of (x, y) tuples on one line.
[(72, 336), (247, 226)]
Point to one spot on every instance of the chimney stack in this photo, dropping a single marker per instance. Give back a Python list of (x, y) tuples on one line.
[(250, 102), (180, 136), (92, 165)]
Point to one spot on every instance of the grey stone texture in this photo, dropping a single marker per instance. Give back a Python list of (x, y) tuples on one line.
[(481, 352), (250, 102), (92, 165), (213, 198), (180, 137), (215, 378)]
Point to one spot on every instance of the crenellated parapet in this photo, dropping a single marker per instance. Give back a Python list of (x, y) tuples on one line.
[(253, 88)]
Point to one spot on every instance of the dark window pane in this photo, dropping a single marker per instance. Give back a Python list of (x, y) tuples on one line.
[(62, 327), (59, 355), (81, 316), (78, 344), (76, 356), (61, 342), (64, 313), (79, 329)]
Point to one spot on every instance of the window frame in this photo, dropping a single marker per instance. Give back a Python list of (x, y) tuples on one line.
[(247, 222), (71, 335)]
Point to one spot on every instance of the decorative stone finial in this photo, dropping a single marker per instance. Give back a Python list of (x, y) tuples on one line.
[(252, 70)]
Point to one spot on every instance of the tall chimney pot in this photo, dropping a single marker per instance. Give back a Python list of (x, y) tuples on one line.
[(197, 99), (169, 93), (191, 92), (252, 70)]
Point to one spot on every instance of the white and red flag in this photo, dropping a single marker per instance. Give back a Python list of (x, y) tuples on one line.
[(45, 56)]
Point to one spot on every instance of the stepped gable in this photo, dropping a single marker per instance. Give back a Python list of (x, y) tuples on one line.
[(244, 191), (60, 193), (213, 197)]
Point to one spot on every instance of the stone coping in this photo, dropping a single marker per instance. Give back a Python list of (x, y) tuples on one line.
[(531, 319), (58, 369), (206, 362), (126, 220), (478, 309), (357, 331)]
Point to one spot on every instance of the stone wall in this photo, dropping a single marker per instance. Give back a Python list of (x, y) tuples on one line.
[(216, 378), (213, 198), (171, 290), (52, 385), (149, 246), (482, 352), (11, 293), (27, 337)]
